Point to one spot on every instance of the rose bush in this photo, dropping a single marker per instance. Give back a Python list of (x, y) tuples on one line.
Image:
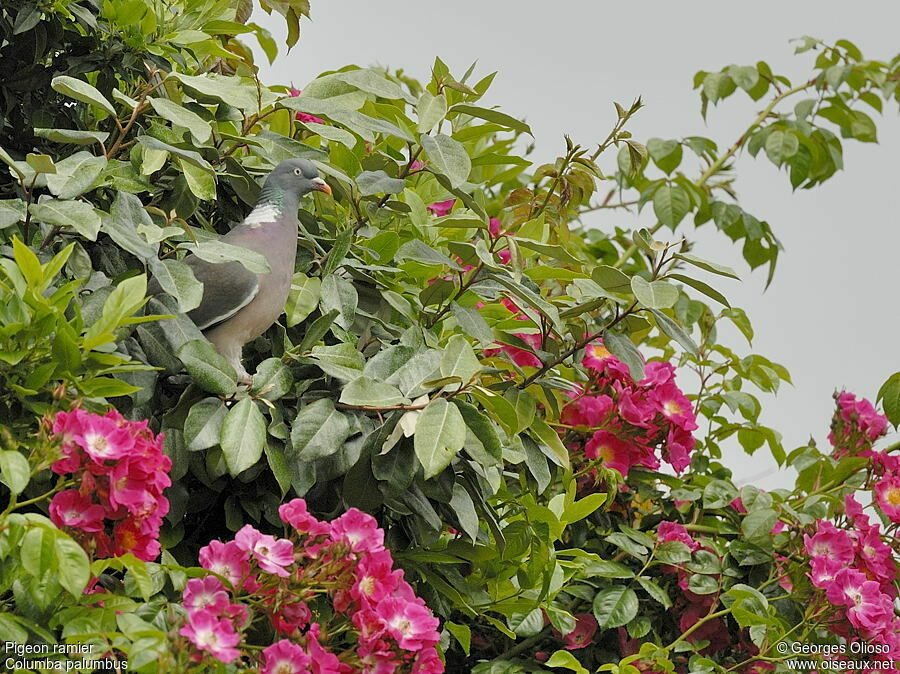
[(468, 418)]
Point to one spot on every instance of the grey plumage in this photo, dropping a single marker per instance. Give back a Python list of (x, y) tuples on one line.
[(238, 305)]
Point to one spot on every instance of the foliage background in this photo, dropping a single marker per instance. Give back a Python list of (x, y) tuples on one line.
[(590, 54), (518, 572)]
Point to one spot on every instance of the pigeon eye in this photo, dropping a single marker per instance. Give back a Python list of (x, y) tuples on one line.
[(297, 172)]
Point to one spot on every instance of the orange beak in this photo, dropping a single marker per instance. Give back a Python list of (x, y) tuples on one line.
[(321, 186)]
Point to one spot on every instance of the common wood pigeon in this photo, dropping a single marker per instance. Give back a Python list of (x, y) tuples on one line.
[(238, 305)]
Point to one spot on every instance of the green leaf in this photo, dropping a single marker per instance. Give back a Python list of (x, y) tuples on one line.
[(200, 182), (303, 298), (73, 567), (139, 575), (319, 430), (652, 588), (459, 360), (373, 82), (11, 212), (654, 294), (440, 434), (583, 507), (889, 396), (126, 216), (378, 182), (78, 215), (119, 306), (279, 467), (701, 584), (542, 432), (38, 551), (482, 428), (536, 463), (713, 267), (602, 568), (781, 146), (420, 251), (207, 367), (72, 136), (202, 427), (177, 279), (273, 379), (610, 278), (560, 253), (494, 116), (334, 133), (621, 346), (41, 163), (527, 624), (243, 436), (462, 633), (534, 300), (75, 175), (81, 91), (615, 606), (675, 331), (757, 525), (240, 92), (565, 660), (718, 494), (666, 154), (14, 471), (198, 127), (188, 155), (448, 157), (464, 508), (366, 391), (318, 329), (670, 204), (746, 77), (471, 322), (430, 110), (339, 294), (702, 287), (342, 360)]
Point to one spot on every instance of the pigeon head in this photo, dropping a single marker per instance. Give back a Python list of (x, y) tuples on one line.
[(297, 176)]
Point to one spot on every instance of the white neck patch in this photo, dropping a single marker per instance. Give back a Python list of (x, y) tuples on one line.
[(263, 214)]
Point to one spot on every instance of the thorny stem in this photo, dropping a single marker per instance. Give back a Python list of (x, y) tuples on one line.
[(463, 287), (523, 645), (578, 346), (380, 408), (724, 157), (730, 152), (138, 109)]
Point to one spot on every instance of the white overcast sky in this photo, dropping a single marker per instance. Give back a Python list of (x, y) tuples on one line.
[(832, 314)]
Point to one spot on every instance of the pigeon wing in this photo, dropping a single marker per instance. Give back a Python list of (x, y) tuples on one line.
[(228, 287)]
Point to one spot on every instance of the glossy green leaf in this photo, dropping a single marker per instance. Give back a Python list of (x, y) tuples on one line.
[(15, 472), (494, 116), (243, 436), (368, 392), (81, 91), (654, 294), (318, 430), (169, 110), (177, 279), (448, 157), (209, 369), (78, 215), (303, 298), (202, 427), (440, 434), (615, 606)]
